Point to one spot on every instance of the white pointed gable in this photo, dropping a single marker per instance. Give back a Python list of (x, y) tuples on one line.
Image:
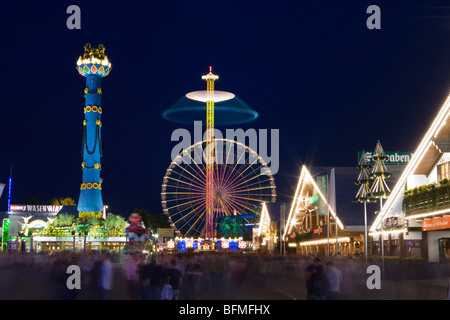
[(435, 141), (264, 222), (306, 187)]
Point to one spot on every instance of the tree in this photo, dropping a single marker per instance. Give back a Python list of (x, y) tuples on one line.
[(63, 220), (153, 221), (231, 227), (62, 202), (114, 221), (94, 221)]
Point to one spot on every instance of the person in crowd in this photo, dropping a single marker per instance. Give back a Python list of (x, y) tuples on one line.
[(132, 277), (309, 271), (193, 273), (319, 284), (95, 272), (174, 278), (335, 279), (152, 275), (106, 276)]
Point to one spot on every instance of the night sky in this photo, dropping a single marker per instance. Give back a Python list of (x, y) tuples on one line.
[(314, 71)]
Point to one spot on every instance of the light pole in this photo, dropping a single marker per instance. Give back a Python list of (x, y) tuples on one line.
[(381, 244), (104, 211), (73, 236), (363, 193), (84, 244)]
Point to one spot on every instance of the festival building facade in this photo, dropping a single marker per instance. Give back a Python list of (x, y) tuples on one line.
[(323, 220), (313, 227), (418, 209), (33, 228)]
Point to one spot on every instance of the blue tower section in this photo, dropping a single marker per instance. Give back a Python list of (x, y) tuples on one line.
[(93, 65)]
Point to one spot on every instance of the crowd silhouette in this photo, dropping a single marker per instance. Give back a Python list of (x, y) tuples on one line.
[(212, 276)]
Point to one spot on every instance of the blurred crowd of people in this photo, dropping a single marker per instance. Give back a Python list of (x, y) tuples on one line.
[(192, 276)]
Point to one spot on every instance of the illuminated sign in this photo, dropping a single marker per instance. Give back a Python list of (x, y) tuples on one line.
[(165, 232), (393, 157), (34, 208), (436, 223), (314, 198), (225, 244), (37, 224), (170, 244), (242, 244)]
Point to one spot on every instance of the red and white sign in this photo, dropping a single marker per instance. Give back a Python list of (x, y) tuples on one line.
[(225, 244), (34, 208), (170, 244)]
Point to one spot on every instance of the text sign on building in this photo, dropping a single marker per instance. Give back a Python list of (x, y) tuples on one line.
[(436, 223), (393, 157), (165, 232), (313, 199), (34, 208)]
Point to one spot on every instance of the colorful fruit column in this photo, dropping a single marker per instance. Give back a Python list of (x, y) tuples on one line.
[(93, 65)]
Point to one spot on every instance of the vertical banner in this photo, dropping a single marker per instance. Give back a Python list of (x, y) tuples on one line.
[(322, 183), (2, 187), (331, 196)]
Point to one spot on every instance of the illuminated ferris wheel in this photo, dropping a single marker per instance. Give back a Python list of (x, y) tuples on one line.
[(242, 180)]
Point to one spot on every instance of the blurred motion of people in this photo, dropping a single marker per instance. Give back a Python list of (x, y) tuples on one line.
[(319, 284), (309, 271), (335, 279), (132, 277), (193, 273), (106, 276), (152, 276), (174, 278)]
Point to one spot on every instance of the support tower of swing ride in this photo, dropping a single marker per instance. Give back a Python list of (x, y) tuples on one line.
[(196, 195)]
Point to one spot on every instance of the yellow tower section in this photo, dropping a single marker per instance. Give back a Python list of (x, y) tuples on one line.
[(209, 212)]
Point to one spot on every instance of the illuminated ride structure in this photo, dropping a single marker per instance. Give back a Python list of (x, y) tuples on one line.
[(213, 178), (93, 65)]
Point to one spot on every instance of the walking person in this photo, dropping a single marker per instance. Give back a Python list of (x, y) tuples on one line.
[(319, 284), (174, 278), (335, 279), (133, 278), (193, 273), (152, 275), (309, 271), (105, 277)]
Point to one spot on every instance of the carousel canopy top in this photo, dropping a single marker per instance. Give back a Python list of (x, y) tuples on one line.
[(230, 112)]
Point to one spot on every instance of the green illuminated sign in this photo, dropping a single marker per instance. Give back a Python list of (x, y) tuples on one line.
[(5, 233), (393, 157), (314, 198)]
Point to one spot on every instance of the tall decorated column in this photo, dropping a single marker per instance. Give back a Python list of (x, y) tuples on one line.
[(93, 65), (363, 194)]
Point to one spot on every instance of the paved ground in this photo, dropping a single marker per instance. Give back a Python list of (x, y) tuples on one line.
[(29, 283)]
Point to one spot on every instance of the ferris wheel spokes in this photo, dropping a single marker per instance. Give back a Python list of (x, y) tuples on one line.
[(238, 187)]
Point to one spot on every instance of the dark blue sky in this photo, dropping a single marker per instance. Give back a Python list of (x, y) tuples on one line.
[(314, 71)]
